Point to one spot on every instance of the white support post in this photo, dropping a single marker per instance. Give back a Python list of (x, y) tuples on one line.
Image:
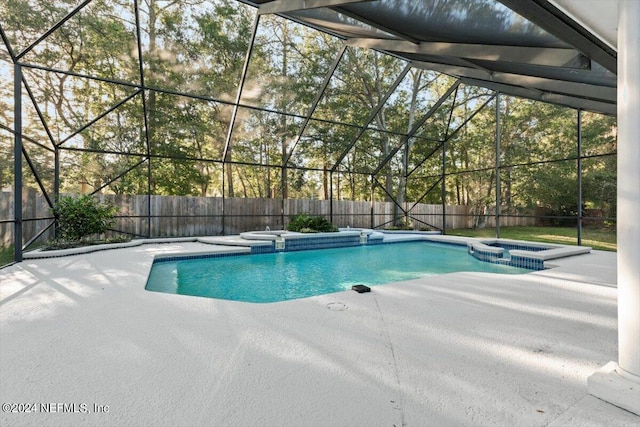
[(619, 383)]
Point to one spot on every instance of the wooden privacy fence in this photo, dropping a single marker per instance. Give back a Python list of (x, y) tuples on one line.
[(34, 206), (172, 216)]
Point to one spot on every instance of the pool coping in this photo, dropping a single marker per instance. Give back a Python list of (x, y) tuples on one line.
[(484, 249)]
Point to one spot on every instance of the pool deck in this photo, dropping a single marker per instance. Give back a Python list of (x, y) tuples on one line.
[(462, 349)]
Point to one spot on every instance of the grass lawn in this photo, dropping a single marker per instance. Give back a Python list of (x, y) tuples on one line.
[(600, 238), (6, 255)]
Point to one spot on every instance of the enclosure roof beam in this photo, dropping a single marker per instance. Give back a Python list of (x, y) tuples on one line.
[(599, 98), (554, 21), (542, 84), (553, 73), (581, 103), (283, 6), (453, 70), (551, 98), (582, 90), (382, 26), (555, 57), (372, 116)]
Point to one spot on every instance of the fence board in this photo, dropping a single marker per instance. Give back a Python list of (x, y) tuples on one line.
[(173, 216)]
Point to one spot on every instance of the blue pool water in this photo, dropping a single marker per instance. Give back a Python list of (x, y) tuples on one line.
[(291, 275)]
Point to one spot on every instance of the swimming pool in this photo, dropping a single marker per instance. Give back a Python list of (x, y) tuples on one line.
[(284, 276)]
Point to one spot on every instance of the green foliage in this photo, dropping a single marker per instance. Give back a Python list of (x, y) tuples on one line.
[(403, 224), (304, 223), (83, 216)]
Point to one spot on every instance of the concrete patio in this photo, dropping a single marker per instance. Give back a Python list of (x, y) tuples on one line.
[(463, 349)]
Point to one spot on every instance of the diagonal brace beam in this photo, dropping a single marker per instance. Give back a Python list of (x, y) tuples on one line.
[(7, 44), (417, 126), (38, 111), (54, 28), (120, 175), (37, 236), (454, 133), (243, 78), (393, 199), (429, 190), (37, 177), (372, 116), (103, 114), (28, 138), (314, 104)]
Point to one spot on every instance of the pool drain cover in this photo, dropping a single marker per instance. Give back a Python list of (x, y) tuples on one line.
[(361, 288), (336, 306)]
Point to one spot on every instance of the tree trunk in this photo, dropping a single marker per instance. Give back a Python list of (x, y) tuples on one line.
[(283, 118), (325, 180), (151, 95), (229, 174), (406, 152)]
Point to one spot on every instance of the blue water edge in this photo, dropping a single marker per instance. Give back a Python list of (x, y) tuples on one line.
[(290, 275)]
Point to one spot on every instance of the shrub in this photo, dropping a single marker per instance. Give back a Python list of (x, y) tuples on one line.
[(402, 224), (310, 224), (82, 216)]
